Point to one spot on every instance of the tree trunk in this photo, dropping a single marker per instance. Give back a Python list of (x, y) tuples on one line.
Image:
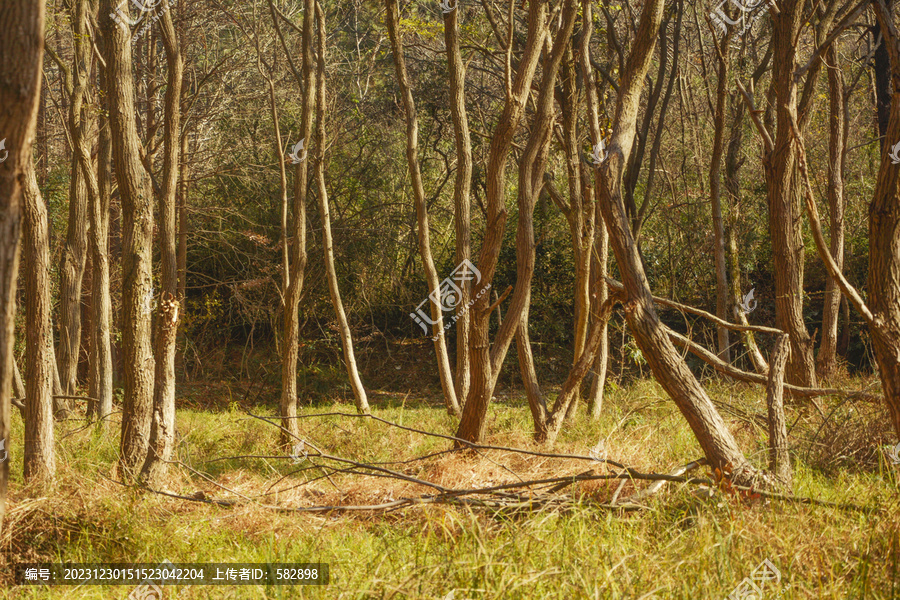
[(600, 251), (101, 365), (359, 392), (22, 46), (40, 462), (435, 291), (779, 460), (162, 430), (71, 273), (668, 367), (715, 163), (785, 214), (137, 237), (826, 361)]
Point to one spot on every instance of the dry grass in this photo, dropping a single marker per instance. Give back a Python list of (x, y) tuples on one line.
[(682, 547)]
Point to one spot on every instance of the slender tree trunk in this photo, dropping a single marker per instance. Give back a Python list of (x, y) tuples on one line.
[(101, 364), (359, 392), (137, 236), (183, 220), (779, 460), (22, 47), (600, 250), (40, 462), (723, 52), (826, 361), (435, 292), (162, 430), (461, 202), (294, 256)]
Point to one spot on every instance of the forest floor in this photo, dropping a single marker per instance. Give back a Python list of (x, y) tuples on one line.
[(682, 546)]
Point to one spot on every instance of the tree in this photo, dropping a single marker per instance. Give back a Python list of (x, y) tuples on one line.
[(359, 392), (415, 174), (40, 462), (137, 237), (162, 430), (22, 46)]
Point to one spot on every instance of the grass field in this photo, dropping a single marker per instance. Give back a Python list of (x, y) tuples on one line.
[(681, 547)]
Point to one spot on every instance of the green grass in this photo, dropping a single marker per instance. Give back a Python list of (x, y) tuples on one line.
[(682, 547)]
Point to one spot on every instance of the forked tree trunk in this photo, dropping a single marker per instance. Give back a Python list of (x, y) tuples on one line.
[(359, 392), (22, 47), (461, 203), (162, 429), (137, 237), (471, 427), (40, 462), (826, 361), (668, 367), (415, 175)]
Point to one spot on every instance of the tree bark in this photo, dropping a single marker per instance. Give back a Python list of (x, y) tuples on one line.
[(715, 163), (22, 46), (826, 361), (40, 462), (785, 222), (137, 236), (100, 384), (779, 461), (412, 157), (162, 429), (461, 202), (359, 392)]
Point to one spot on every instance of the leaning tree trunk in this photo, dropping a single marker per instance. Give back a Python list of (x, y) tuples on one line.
[(667, 365), (415, 173), (162, 429), (826, 361), (359, 392), (22, 47), (40, 462), (137, 237), (461, 203)]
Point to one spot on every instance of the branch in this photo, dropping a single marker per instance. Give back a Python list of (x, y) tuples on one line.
[(754, 114)]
